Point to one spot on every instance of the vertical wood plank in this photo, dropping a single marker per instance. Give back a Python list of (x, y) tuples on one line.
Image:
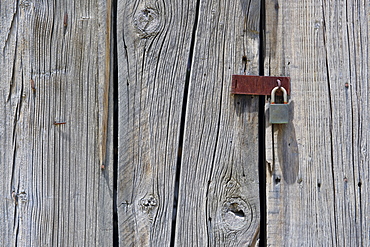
[(153, 48), (54, 65), (218, 195), (318, 169)]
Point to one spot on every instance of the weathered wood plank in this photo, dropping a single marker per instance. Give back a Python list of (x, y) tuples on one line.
[(218, 195), (52, 86), (153, 47), (318, 166)]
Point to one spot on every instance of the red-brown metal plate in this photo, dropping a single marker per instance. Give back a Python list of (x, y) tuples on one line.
[(257, 85)]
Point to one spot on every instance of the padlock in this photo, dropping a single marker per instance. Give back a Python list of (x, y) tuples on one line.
[(279, 113)]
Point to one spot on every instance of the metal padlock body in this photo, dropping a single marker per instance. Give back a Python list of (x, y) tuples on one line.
[(279, 113)]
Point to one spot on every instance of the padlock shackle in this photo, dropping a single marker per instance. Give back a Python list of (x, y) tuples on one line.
[(285, 95)]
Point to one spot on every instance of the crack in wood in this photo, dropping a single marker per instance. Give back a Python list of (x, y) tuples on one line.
[(182, 123)]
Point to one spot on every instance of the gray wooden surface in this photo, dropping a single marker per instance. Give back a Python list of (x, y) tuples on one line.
[(53, 68), (153, 47), (218, 196), (318, 166)]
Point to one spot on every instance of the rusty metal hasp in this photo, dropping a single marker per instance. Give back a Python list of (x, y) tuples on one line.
[(258, 85)]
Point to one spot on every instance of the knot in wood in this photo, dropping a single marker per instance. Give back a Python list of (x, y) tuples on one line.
[(25, 4), (22, 197), (147, 22), (148, 203), (236, 213)]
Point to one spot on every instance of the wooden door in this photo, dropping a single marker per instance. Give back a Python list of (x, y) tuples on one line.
[(118, 127)]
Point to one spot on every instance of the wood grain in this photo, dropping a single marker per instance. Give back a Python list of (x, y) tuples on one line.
[(153, 48), (218, 195), (219, 162), (52, 89), (318, 168)]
